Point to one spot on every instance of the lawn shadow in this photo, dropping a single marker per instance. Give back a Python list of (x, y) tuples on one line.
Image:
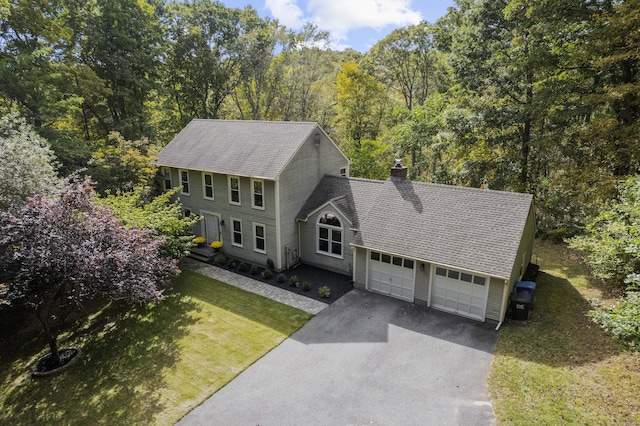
[(125, 348), (558, 332)]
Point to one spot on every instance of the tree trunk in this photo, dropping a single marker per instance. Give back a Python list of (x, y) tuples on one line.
[(50, 335)]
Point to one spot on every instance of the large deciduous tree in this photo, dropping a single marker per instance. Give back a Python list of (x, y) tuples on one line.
[(58, 252), (26, 162)]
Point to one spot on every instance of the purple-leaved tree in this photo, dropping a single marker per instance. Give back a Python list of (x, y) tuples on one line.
[(56, 252)]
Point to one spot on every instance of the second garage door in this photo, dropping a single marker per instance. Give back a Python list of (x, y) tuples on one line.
[(460, 292), (391, 275)]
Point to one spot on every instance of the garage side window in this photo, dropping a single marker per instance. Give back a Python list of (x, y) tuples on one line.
[(329, 235)]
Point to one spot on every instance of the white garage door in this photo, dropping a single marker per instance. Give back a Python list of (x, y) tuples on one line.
[(460, 292), (391, 275)]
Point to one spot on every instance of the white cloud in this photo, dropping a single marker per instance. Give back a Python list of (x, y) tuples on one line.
[(286, 12), (339, 17)]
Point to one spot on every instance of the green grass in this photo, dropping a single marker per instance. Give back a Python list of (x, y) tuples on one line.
[(560, 367), (146, 364)]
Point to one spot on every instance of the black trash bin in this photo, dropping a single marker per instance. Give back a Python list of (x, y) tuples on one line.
[(527, 286), (520, 306)]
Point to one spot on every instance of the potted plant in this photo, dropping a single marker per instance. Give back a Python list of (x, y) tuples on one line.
[(199, 241), (216, 246)]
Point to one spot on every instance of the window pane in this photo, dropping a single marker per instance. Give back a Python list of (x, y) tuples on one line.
[(441, 271), (237, 238), (208, 191), (257, 200), (207, 179), (375, 255), (465, 277), (234, 183), (260, 244), (479, 280), (257, 187), (324, 233), (386, 258), (336, 248), (260, 231), (237, 226), (454, 274), (323, 245), (397, 261), (408, 263), (235, 196), (184, 176), (336, 235)]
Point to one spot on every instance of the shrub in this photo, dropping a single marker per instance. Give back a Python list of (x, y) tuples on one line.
[(231, 263), (306, 286), (324, 291), (622, 320), (293, 281), (220, 260), (281, 278), (254, 270), (243, 267), (267, 274)]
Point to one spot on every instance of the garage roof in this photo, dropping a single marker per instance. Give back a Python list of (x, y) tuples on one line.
[(469, 228)]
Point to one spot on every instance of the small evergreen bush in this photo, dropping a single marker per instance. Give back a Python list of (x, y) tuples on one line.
[(243, 267), (324, 291), (220, 260), (306, 286), (267, 274), (231, 264), (281, 278), (254, 270), (293, 281)]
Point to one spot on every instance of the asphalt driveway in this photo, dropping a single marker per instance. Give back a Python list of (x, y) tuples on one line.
[(365, 360)]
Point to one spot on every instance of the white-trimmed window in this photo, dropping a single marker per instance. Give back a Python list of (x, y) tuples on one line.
[(343, 171), (166, 178), (236, 232), (257, 200), (329, 235), (259, 238), (187, 212), (234, 190), (184, 181), (207, 186)]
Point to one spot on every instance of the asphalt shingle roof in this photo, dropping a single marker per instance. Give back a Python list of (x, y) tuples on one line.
[(468, 228), (245, 148)]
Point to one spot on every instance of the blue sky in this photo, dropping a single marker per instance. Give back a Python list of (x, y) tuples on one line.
[(357, 24)]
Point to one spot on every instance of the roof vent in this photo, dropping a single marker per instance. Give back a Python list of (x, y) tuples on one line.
[(399, 171)]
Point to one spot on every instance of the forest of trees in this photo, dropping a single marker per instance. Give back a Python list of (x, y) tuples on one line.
[(534, 96)]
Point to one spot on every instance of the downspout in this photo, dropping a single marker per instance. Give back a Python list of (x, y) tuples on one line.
[(355, 256), (278, 231), (505, 298)]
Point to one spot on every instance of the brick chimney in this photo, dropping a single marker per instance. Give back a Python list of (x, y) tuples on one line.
[(399, 171)]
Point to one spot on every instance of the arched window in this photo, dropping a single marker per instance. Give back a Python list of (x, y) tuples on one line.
[(329, 231)]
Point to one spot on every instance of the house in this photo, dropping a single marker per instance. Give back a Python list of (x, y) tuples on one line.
[(281, 191)]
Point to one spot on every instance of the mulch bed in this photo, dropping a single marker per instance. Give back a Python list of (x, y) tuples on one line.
[(316, 277)]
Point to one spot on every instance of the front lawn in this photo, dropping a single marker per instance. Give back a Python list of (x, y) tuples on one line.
[(146, 364), (560, 367)]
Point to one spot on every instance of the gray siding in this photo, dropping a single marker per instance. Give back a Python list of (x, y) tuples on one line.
[(299, 179), (421, 294), (308, 239), (494, 298), (361, 269), (248, 215)]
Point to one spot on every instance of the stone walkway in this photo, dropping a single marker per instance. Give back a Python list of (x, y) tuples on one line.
[(283, 296)]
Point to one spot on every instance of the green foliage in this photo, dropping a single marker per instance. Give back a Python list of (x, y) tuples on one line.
[(324, 291), (623, 321), (122, 165), (243, 267), (231, 263), (306, 286), (220, 260), (370, 159), (281, 278), (267, 274), (27, 165), (254, 269), (293, 281), (612, 241), (139, 210)]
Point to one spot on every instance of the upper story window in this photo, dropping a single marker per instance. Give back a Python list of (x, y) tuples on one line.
[(343, 171), (330, 236), (236, 232), (257, 201), (207, 186), (166, 178), (234, 190), (184, 181)]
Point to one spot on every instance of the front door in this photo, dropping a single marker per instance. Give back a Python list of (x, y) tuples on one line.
[(211, 227)]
